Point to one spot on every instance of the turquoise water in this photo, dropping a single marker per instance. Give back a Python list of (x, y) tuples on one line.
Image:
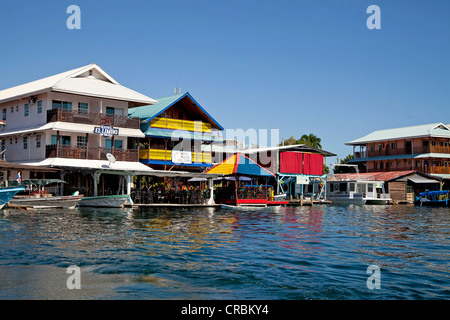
[(319, 252)]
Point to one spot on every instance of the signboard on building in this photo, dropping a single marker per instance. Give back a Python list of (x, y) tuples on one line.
[(106, 131), (181, 157)]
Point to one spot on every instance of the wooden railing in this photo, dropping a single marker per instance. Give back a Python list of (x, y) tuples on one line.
[(157, 154), (175, 124), (90, 153), (92, 118)]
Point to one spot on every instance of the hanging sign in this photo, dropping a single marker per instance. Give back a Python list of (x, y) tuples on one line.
[(106, 131), (181, 156)]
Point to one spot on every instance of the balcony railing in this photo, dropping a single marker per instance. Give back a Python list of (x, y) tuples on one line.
[(90, 153), (156, 154), (175, 124), (92, 118), (401, 151)]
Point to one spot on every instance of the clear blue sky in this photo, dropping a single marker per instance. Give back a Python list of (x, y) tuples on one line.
[(307, 66)]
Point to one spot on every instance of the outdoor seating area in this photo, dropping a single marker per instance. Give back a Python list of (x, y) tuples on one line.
[(186, 196)]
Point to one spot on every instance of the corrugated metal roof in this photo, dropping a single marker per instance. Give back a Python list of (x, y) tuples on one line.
[(426, 130), (388, 176), (78, 81)]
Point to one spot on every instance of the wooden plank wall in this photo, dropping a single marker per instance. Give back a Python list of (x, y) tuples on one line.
[(397, 189)]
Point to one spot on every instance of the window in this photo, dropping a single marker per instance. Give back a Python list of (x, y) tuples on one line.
[(110, 110), (180, 115), (10, 140), (4, 114), (394, 145), (81, 142), (370, 188), (56, 104), (82, 108), (39, 106), (17, 108), (117, 144), (26, 109), (12, 109), (66, 105), (15, 140), (38, 141), (3, 144), (25, 143)]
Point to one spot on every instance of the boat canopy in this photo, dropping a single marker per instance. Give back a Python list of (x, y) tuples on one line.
[(434, 193), (40, 182), (240, 165)]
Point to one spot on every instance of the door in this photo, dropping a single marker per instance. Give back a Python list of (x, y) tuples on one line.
[(408, 147)]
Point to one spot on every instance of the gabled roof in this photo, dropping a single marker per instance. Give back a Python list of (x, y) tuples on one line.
[(426, 130), (147, 113), (240, 164), (89, 80)]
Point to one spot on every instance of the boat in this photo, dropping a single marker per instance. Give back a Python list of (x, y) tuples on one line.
[(7, 193), (355, 189), (433, 199), (114, 201), (250, 207), (65, 202)]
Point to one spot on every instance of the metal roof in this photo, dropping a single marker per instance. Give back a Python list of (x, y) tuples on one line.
[(89, 80), (294, 147), (426, 130)]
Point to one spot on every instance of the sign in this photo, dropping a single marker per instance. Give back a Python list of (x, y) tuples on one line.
[(106, 131), (181, 156), (302, 180)]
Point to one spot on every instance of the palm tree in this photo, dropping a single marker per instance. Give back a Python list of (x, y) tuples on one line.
[(310, 140)]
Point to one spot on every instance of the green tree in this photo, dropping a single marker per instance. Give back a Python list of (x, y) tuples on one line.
[(310, 140), (347, 159)]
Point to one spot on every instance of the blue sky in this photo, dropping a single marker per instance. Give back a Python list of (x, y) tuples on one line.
[(298, 66)]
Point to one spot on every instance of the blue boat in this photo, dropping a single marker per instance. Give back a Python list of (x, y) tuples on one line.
[(434, 198), (7, 193)]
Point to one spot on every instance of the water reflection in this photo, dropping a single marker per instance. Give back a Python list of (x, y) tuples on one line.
[(294, 252)]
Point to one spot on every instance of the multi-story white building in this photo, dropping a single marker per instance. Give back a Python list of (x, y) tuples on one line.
[(72, 120)]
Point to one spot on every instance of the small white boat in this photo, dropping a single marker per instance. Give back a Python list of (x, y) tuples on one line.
[(355, 189), (65, 202), (114, 201)]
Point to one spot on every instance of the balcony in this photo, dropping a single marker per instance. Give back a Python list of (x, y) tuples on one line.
[(90, 153), (175, 124), (163, 155), (92, 118)]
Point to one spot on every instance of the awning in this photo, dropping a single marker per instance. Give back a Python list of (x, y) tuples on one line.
[(71, 127), (416, 178)]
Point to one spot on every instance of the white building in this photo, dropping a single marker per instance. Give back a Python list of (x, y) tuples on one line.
[(72, 120)]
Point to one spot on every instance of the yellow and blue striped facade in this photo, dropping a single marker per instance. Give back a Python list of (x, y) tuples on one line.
[(176, 122)]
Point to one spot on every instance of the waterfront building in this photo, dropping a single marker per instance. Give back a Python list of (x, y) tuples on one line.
[(422, 148), (178, 134), (73, 120), (298, 168)]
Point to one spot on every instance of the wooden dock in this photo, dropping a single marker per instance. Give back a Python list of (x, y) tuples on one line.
[(307, 202), (173, 205)]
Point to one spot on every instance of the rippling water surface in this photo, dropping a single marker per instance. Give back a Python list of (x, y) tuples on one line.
[(319, 252)]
